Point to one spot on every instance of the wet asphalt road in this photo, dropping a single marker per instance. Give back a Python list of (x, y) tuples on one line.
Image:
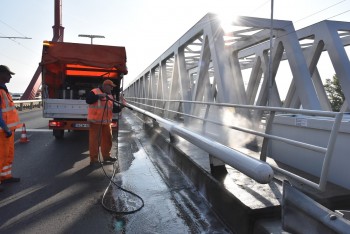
[(61, 193)]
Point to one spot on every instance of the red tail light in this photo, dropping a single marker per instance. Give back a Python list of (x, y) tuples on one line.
[(56, 123)]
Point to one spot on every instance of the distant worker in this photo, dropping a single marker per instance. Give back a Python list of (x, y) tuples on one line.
[(100, 113), (9, 121)]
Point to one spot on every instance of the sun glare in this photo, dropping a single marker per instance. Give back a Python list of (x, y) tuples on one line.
[(226, 19)]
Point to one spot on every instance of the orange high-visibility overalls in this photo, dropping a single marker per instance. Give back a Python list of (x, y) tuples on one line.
[(100, 133), (10, 117)]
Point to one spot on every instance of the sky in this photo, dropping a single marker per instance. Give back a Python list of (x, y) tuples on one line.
[(146, 28)]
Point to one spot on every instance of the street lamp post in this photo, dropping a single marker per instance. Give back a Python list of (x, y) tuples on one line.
[(270, 78), (91, 36)]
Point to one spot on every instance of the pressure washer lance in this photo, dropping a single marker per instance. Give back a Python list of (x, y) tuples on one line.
[(115, 101)]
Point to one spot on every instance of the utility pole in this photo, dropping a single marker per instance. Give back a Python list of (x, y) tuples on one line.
[(91, 36), (58, 30)]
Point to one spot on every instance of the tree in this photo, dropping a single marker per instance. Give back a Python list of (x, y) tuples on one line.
[(334, 93)]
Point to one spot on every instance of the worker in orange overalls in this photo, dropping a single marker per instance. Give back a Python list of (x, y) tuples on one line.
[(9, 121), (100, 113)]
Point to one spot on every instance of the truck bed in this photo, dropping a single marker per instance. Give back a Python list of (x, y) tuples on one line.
[(65, 108)]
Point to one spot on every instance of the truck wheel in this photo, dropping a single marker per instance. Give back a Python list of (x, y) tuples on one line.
[(58, 134)]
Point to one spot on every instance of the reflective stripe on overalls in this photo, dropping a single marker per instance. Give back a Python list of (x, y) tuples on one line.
[(9, 112), (98, 112)]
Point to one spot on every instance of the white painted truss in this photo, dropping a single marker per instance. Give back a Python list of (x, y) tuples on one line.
[(207, 63), (216, 81)]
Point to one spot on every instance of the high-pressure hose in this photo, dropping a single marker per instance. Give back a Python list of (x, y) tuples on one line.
[(111, 181)]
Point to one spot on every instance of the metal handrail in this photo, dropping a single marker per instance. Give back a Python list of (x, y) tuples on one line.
[(258, 170), (28, 104), (257, 133), (328, 151), (263, 108)]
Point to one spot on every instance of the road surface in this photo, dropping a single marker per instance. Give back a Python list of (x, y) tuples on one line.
[(60, 193)]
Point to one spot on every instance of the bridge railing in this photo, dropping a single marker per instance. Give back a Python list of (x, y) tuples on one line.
[(28, 104), (258, 129)]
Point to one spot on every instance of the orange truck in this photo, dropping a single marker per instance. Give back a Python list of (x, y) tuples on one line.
[(69, 72)]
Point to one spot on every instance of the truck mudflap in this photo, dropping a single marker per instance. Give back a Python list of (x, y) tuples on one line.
[(58, 124)]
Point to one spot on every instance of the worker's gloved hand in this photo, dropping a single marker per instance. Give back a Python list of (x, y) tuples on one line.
[(8, 133), (123, 100), (102, 95)]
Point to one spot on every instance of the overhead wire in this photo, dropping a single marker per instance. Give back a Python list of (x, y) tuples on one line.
[(338, 14), (13, 39), (303, 18), (294, 30), (283, 27), (16, 60), (12, 28), (319, 11), (261, 5)]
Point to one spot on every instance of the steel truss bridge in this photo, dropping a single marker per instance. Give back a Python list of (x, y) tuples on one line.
[(207, 64), (196, 90), (219, 89)]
